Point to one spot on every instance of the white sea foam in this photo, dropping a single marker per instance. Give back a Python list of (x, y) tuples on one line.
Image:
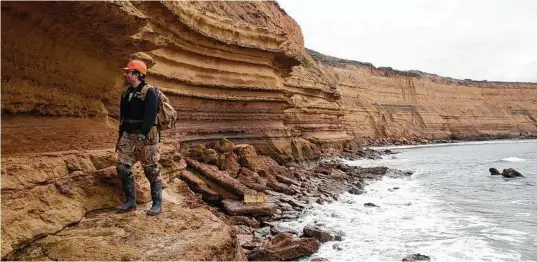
[(512, 159), (408, 220)]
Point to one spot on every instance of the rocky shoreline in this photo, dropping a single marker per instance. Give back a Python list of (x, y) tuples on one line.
[(453, 139), (269, 193)]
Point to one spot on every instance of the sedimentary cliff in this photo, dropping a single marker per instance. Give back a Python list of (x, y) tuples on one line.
[(222, 65), (401, 106), (232, 69)]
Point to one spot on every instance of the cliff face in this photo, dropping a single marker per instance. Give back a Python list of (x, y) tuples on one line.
[(232, 69), (396, 106), (222, 65)]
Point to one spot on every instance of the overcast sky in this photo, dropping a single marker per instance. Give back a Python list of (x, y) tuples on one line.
[(476, 39)]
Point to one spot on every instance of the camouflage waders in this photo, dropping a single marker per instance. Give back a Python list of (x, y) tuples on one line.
[(148, 156)]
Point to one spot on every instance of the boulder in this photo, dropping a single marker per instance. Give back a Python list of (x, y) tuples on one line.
[(262, 232), (236, 208), (220, 177), (209, 156), (319, 259), (275, 230), (370, 205), (417, 257), (199, 186), (494, 172), (510, 173), (318, 233), (338, 174), (225, 145), (230, 164), (284, 247)]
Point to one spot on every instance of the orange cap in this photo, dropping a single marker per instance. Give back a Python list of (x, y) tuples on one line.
[(137, 65)]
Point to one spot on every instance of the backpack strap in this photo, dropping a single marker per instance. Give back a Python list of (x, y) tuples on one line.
[(143, 92)]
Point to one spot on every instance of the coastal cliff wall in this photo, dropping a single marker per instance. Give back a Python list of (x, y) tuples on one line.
[(383, 104)]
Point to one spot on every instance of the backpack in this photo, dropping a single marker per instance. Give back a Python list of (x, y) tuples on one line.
[(166, 114)]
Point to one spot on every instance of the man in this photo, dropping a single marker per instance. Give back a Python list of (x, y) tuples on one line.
[(138, 138)]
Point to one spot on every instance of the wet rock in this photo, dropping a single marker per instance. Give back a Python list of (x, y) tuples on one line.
[(319, 259), (262, 232), (235, 208), (242, 220), (369, 153), (290, 215), (417, 257), (343, 167), (395, 173), (370, 205), (494, 172), (355, 191), (337, 246), (510, 173), (338, 174), (284, 247), (314, 231), (275, 230), (393, 189)]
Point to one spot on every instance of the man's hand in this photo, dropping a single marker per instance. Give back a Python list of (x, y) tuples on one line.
[(153, 134), (138, 144)]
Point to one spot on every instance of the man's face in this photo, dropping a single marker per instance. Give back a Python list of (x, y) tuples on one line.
[(129, 77)]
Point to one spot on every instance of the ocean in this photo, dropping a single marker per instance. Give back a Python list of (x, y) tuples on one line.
[(450, 209)]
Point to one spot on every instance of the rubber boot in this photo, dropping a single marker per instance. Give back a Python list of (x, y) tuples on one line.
[(156, 196), (129, 189)]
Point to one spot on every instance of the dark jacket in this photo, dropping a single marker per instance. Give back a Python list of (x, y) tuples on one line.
[(136, 114)]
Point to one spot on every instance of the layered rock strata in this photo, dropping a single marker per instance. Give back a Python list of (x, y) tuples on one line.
[(391, 105), (222, 65)]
